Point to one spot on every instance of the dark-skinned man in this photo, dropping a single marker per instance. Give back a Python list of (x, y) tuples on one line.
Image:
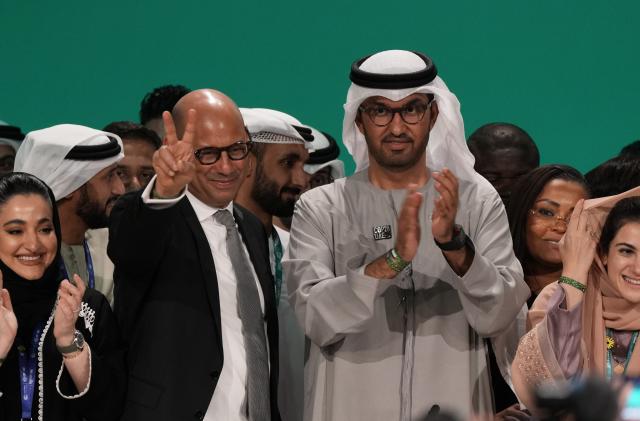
[(194, 291), (398, 272), (271, 190)]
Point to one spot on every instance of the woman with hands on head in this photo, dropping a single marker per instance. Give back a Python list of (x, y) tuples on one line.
[(588, 321), (59, 345)]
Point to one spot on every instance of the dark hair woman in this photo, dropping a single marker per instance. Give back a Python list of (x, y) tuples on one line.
[(588, 322), (48, 371), (539, 211)]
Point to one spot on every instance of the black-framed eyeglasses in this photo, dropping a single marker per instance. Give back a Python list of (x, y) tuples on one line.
[(381, 115), (236, 151)]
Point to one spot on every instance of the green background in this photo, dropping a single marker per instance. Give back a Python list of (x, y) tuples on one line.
[(566, 71)]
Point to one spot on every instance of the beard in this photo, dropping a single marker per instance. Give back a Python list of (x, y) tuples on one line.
[(402, 160), (267, 194), (92, 212)]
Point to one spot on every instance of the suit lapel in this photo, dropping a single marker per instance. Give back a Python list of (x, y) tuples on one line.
[(258, 257), (206, 264)]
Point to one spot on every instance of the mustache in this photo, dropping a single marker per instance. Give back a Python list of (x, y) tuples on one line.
[(222, 177), (402, 138), (293, 190)]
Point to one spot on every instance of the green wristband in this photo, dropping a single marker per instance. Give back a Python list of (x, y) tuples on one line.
[(573, 283), (395, 262)]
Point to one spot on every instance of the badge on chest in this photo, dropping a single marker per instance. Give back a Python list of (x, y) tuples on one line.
[(382, 232)]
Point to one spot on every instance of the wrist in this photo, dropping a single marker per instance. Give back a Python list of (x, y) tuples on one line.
[(159, 193), (64, 340)]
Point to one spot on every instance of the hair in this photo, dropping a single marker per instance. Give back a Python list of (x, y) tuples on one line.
[(632, 150), (19, 183), (614, 176), (625, 211), (162, 98), (495, 136), (129, 130), (524, 195)]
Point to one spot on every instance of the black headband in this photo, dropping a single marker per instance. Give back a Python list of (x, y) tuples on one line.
[(320, 156), (94, 152), (304, 132), (11, 132), (396, 81)]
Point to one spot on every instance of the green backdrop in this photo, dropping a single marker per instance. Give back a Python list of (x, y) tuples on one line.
[(566, 71)]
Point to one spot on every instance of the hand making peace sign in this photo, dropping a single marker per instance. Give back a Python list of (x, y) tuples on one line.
[(174, 161)]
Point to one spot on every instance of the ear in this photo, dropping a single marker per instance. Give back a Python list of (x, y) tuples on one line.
[(434, 114), (251, 165)]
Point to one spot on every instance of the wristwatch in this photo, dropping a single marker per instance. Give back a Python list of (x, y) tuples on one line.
[(77, 345), (458, 241)]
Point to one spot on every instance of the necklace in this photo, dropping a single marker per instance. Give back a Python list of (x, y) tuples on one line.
[(620, 367)]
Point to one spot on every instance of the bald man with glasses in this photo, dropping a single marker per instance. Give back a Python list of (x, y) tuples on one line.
[(194, 290)]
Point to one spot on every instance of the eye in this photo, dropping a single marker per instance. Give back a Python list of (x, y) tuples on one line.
[(47, 230), (13, 231), (147, 175), (546, 213), (626, 251), (380, 110)]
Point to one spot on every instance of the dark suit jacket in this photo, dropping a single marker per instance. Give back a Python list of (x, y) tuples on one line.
[(167, 303)]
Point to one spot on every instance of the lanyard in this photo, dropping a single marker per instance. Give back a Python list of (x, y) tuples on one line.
[(87, 256), (632, 345), (277, 254), (27, 362)]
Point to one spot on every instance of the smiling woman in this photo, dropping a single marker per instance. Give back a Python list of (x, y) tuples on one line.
[(539, 212), (47, 371), (588, 321)]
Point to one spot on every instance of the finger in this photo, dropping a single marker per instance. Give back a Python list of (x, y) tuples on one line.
[(6, 300), (1, 281), (71, 302), (411, 207), (448, 199), (169, 128), (166, 157), (65, 309), (446, 178), (81, 287), (190, 129), (575, 217), (582, 216), (161, 169)]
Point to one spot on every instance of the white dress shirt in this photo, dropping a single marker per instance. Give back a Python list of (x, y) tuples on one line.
[(229, 398)]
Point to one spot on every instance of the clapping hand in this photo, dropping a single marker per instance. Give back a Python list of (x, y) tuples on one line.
[(67, 310), (8, 321), (174, 161), (446, 206)]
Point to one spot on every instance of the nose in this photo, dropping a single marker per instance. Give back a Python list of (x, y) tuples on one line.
[(397, 125), (224, 164), (32, 242), (134, 184), (117, 187), (300, 178), (560, 225)]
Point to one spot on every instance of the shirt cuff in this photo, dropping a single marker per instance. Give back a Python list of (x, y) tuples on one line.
[(86, 389), (159, 203)]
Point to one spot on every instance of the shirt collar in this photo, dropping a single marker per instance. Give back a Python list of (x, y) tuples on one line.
[(204, 211)]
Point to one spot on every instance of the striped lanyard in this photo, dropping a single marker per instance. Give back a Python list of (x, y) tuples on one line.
[(28, 364), (277, 254)]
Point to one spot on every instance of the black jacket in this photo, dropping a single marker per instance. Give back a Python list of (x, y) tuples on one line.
[(167, 303), (102, 402)]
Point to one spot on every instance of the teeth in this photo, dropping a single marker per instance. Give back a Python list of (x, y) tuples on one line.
[(631, 280), (29, 258)]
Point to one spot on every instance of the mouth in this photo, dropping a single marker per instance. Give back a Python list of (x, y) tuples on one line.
[(397, 144), (30, 260), (553, 243), (630, 280)]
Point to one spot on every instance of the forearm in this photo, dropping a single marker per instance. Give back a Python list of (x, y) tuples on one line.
[(79, 368), (460, 260)]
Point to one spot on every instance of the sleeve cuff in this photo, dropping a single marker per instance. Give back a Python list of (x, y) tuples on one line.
[(86, 389), (159, 203)]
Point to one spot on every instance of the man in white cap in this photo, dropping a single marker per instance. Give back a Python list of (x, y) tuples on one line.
[(271, 190), (80, 165), (398, 272), (324, 165)]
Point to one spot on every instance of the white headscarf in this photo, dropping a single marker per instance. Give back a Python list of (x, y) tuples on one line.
[(320, 142), (43, 154), (447, 146), (271, 126)]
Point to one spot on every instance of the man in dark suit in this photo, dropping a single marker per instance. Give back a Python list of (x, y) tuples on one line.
[(195, 300)]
